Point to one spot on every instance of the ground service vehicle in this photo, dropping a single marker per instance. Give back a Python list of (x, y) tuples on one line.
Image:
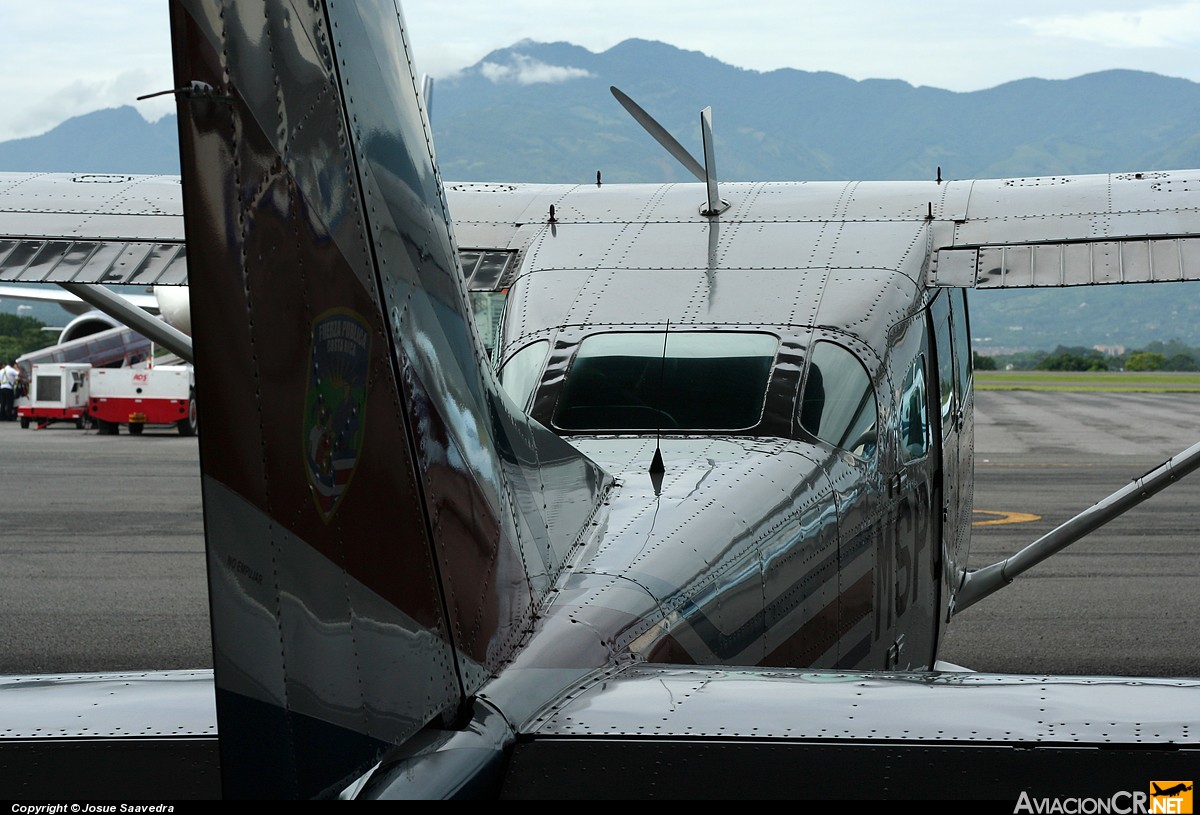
[(136, 397), (107, 398), (57, 393)]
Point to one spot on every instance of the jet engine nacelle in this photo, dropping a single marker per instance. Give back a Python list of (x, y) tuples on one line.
[(92, 322), (174, 307)]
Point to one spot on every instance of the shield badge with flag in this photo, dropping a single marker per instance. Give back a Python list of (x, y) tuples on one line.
[(334, 415)]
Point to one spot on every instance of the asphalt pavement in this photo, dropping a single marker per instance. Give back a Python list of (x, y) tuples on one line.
[(103, 547)]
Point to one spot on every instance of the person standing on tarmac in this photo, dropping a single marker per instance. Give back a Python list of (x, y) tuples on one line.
[(9, 375)]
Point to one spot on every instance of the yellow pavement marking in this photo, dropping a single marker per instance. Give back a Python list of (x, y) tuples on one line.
[(1004, 518)]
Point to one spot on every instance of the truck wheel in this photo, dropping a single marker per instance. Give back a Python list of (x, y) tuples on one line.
[(135, 429), (190, 425), (24, 422), (79, 423)]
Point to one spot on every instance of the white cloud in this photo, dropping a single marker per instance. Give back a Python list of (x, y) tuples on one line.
[(1168, 26), (525, 70), (84, 96)]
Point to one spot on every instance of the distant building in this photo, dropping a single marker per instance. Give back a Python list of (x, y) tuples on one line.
[(1110, 350)]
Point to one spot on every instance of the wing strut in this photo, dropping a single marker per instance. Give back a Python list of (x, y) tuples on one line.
[(979, 583), (133, 316)]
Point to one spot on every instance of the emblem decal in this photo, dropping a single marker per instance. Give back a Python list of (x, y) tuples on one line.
[(335, 404)]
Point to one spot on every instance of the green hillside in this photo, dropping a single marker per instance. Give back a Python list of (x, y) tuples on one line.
[(542, 112)]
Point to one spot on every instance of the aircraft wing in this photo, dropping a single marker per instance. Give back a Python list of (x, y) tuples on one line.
[(986, 234), (995, 233), (1067, 230), (88, 232), (719, 733), (729, 733), (70, 302), (91, 228)]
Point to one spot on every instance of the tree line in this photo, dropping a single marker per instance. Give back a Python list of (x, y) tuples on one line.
[(20, 335), (1173, 355)]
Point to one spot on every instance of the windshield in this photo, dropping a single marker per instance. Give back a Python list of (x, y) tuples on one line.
[(711, 380), (519, 376)]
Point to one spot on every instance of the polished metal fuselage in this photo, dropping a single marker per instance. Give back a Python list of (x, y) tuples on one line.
[(761, 547)]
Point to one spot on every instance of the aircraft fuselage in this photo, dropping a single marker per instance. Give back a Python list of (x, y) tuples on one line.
[(808, 395)]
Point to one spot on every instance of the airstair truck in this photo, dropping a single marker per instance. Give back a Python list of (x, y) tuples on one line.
[(136, 397)]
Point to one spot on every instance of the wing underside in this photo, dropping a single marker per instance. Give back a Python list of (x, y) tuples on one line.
[(105, 261)]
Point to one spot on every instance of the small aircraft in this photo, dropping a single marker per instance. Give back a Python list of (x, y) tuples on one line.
[(1172, 790), (592, 491), (87, 320)]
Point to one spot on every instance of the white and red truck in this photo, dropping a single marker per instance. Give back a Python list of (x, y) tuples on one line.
[(107, 398), (58, 392), (136, 397)]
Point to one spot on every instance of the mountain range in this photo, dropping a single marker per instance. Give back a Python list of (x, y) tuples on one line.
[(543, 112)]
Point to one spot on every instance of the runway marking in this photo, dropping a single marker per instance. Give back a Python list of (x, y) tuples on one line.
[(1004, 518)]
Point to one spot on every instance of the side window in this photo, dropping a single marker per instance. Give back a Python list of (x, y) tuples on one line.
[(838, 405), (914, 422), (487, 273), (962, 343), (519, 376), (488, 309), (940, 312)]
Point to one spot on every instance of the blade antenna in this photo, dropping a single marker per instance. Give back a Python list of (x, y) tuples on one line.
[(660, 135), (715, 204), (656, 464), (707, 173), (427, 94)]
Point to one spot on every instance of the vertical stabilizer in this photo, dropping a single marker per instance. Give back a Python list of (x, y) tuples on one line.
[(379, 520)]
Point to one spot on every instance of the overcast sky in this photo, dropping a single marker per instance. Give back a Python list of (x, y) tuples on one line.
[(61, 58)]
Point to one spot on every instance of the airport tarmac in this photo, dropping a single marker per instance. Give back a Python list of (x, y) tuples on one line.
[(1126, 599), (104, 551)]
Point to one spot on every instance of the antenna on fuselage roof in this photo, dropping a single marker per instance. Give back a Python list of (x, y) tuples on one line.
[(427, 94), (707, 173)]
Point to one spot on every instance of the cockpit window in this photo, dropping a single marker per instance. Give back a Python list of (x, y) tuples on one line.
[(520, 374), (671, 381), (839, 403)]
